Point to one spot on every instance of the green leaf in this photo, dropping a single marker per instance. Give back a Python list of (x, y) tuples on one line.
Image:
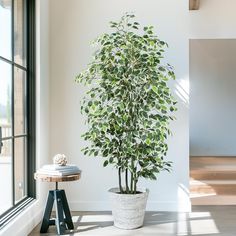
[(148, 141), (105, 163), (155, 89)]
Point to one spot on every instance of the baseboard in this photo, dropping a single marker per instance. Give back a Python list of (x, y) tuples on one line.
[(151, 206)]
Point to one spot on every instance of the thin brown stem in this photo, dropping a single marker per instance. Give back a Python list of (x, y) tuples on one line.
[(132, 177), (120, 185), (126, 181), (131, 183), (135, 185)]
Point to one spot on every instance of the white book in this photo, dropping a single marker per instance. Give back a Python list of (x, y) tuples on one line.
[(58, 173), (57, 167)]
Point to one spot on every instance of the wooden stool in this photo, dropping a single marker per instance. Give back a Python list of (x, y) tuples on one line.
[(63, 219)]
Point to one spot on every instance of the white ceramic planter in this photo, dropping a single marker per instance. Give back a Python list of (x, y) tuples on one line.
[(128, 210)]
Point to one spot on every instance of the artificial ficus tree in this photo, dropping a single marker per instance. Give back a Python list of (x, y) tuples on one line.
[(129, 104)]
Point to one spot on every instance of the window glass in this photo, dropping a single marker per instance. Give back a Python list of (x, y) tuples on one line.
[(19, 101), (6, 176), (5, 29), (5, 98), (20, 168), (19, 32)]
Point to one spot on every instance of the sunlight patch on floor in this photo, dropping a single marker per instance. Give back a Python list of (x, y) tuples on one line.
[(203, 227), (201, 223), (93, 218)]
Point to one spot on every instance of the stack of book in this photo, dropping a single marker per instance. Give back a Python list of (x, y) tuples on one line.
[(58, 170)]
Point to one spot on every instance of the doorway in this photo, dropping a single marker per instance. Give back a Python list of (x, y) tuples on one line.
[(212, 121)]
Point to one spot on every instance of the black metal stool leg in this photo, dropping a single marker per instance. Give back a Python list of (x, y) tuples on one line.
[(47, 212), (63, 219), (60, 223), (66, 209)]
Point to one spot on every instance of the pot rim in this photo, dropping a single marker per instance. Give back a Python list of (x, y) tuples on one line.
[(116, 190)]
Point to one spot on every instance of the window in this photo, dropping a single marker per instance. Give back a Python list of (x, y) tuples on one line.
[(17, 105)]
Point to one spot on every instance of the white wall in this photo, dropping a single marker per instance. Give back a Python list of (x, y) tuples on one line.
[(23, 223), (212, 97), (215, 20), (74, 24)]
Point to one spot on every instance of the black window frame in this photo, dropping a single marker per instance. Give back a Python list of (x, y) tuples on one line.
[(30, 25)]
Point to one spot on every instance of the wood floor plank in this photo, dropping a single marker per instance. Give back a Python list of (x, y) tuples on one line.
[(213, 180)]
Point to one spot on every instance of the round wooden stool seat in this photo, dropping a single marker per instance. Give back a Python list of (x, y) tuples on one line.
[(54, 178)]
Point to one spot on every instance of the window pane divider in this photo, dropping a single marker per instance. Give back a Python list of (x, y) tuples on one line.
[(13, 63), (16, 136)]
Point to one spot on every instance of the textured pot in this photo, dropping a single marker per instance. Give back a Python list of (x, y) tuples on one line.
[(128, 210)]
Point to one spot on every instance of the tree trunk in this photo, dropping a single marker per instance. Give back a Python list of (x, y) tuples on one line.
[(126, 181), (132, 183), (120, 185)]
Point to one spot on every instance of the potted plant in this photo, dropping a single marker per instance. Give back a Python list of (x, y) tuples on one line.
[(128, 108)]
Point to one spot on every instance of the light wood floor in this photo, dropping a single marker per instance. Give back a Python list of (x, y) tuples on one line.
[(203, 220), (213, 180)]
